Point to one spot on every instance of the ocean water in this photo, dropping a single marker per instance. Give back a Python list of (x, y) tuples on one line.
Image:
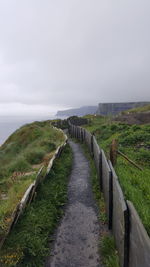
[(10, 124), (6, 129)]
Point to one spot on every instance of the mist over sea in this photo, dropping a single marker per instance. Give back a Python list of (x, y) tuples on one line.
[(9, 124)]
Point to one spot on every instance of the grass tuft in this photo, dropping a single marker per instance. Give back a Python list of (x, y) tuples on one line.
[(109, 253)]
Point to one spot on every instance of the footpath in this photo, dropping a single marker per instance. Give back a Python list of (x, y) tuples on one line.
[(77, 237)]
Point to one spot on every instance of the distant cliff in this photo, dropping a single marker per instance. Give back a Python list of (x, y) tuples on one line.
[(77, 111), (115, 108)]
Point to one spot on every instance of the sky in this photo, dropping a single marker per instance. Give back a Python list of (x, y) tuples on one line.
[(58, 54)]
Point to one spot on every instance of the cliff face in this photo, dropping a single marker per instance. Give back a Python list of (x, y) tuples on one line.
[(77, 111), (115, 108)]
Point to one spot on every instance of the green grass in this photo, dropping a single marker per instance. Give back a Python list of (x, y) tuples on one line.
[(134, 141), (109, 253), (35, 139), (145, 108), (28, 243), (21, 156)]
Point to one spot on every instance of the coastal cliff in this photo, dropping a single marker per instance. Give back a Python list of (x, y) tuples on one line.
[(78, 111)]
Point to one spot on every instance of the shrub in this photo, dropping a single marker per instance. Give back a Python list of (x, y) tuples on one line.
[(113, 127), (135, 127), (132, 138)]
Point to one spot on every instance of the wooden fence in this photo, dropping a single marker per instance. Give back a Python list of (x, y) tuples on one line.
[(131, 238)]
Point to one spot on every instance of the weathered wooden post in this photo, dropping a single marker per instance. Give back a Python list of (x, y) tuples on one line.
[(113, 152)]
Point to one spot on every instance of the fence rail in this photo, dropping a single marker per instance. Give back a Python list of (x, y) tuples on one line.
[(132, 240)]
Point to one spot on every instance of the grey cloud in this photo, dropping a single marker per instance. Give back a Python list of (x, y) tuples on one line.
[(71, 53)]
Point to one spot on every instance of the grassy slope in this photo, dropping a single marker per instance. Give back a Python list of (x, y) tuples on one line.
[(20, 158), (145, 108), (134, 141), (28, 243)]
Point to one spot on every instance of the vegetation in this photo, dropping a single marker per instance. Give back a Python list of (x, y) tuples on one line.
[(145, 108), (28, 243), (109, 253), (21, 156), (134, 141), (107, 245)]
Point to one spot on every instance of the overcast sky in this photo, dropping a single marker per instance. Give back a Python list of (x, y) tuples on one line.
[(56, 54)]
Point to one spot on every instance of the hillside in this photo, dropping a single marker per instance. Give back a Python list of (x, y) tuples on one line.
[(21, 156), (134, 141), (115, 108), (145, 108), (140, 115), (77, 111)]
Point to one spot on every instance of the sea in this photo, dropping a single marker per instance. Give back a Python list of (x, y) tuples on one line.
[(9, 124)]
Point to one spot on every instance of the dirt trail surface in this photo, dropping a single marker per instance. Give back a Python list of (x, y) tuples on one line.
[(76, 243)]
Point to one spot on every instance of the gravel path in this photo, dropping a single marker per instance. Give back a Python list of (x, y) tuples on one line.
[(76, 243)]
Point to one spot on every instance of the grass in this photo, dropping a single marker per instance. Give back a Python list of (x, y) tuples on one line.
[(134, 141), (110, 256), (145, 108), (96, 187), (21, 156), (28, 244), (107, 247)]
